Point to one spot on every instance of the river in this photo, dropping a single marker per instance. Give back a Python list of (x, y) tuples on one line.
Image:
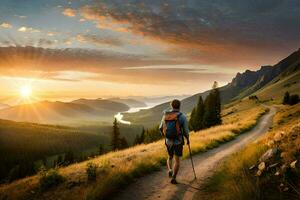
[(119, 115)]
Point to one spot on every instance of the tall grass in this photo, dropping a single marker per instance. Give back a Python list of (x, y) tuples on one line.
[(117, 169), (234, 180)]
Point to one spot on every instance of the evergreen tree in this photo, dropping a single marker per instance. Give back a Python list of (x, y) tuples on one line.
[(286, 98), (59, 160), (69, 157), (212, 104), (208, 118), (142, 137), (123, 143), (100, 149), (198, 121), (192, 125), (136, 140), (294, 99), (217, 98), (115, 140)]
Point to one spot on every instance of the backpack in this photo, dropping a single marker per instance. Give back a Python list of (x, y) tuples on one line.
[(171, 128)]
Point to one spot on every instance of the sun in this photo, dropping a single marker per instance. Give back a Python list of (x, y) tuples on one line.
[(26, 92)]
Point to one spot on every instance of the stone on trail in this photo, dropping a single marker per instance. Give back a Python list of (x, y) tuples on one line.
[(295, 164), (269, 154), (262, 166)]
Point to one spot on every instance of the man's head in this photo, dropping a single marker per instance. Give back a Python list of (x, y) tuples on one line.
[(175, 104)]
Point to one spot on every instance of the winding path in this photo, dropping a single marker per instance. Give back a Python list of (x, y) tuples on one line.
[(157, 185)]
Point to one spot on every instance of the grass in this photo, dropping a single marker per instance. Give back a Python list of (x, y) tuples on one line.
[(234, 180), (117, 169)]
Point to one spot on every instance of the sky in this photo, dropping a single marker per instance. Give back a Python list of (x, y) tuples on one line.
[(72, 49)]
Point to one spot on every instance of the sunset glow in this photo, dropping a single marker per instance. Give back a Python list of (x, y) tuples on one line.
[(26, 92), (155, 48)]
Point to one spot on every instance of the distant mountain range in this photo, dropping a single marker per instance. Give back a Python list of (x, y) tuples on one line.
[(283, 74), (130, 102), (75, 112)]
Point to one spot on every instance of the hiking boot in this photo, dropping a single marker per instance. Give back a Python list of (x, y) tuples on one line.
[(173, 181), (170, 173)]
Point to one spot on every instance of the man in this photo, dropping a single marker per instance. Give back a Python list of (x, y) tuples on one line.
[(174, 127)]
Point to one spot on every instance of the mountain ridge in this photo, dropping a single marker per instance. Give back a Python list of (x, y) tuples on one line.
[(242, 85)]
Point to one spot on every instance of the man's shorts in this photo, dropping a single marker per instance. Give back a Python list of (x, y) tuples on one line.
[(174, 149)]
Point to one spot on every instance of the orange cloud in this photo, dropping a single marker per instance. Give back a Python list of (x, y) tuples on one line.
[(69, 12), (6, 25)]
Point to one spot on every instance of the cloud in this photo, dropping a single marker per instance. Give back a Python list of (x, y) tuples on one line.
[(98, 40), (45, 42), (6, 25), (212, 32), (28, 29), (69, 12), (21, 16), (105, 65)]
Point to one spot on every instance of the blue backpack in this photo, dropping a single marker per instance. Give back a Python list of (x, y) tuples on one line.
[(171, 128)]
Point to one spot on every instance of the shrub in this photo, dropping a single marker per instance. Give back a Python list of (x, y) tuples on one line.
[(49, 178), (294, 99), (91, 171)]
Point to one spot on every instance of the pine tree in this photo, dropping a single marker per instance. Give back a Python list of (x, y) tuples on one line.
[(286, 98), (123, 143), (100, 149), (69, 157), (208, 118), (212, 104), (192, 125), (115, 140), (217, 97), (198, 121), (142, 137), (136, 140)]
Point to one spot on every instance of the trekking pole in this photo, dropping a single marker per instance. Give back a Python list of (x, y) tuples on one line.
[(192, 161)]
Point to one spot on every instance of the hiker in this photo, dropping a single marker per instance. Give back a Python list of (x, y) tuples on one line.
[(174, 127)]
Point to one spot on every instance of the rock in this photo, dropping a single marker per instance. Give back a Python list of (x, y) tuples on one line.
[(278, 136), (270, 143), (262, 166), (273, 165), (252, 167), (285, 189), (259, 173), (269, 154), (283, 168), (277, 173), (295, 164), (281, 185)]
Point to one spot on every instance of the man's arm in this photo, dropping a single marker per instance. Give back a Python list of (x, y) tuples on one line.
[(161, 126), (185, 128)]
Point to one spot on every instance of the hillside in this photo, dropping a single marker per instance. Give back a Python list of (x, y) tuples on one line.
[(286, 73), (57, 112), (22, 144), (132, 103), (112, 173)]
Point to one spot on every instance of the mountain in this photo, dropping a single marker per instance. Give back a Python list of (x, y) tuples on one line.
[(132, 103), (103, 105), (76, 112), (286, 72)]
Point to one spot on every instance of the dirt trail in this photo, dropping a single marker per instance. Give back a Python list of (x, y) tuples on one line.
[(157, 185)]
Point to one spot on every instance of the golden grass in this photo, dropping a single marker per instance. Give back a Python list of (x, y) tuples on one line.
[(119, 168), (235, 181)]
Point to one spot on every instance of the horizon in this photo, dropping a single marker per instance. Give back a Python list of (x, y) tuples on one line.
[(91, 49)]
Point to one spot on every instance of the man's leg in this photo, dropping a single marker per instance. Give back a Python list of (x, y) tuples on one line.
[(169, 163), (178, 154), (176, 166)]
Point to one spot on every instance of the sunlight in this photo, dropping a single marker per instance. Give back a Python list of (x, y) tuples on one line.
[(26, 92)]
